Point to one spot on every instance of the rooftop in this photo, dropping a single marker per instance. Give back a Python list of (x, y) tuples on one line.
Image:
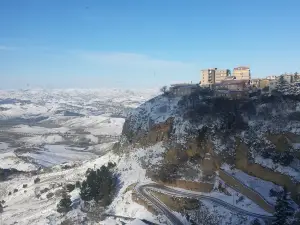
[(242, 68), (233, 82)]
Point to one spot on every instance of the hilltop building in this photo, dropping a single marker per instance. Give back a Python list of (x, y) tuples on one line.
[(208, 76), (183, 89), (242, 73), (214, 75), (234, 89)]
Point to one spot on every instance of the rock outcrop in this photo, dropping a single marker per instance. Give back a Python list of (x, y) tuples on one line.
[(208, 132)]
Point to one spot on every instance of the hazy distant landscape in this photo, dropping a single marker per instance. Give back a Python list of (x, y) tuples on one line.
[(40, 128)]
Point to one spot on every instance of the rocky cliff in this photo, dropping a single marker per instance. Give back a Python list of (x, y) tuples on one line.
[(259, 135)]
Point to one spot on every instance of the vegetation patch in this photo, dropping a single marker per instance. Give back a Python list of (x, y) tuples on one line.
[(100, 185), (177, 204)]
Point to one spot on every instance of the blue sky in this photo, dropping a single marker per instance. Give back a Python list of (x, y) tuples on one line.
[(142, 43)]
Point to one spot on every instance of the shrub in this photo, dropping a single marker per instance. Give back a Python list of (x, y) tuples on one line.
[(255, 222), (16, 190), (167, 173), (49, 195), (37, 180), (70, 187), (274, 193), (64, 206), (25, 185), (44, 190), (9, 193), (111, 165), (1, 208), (164, 90), (78, 184), (286, 159)]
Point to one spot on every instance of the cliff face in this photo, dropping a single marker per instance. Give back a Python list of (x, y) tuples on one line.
[(191, 127)]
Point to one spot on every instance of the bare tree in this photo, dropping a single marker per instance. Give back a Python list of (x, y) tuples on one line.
[(164, 89)]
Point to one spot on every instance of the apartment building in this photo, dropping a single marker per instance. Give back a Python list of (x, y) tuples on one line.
[(208, 76), (242, 73), (221, 74), (214, 75)]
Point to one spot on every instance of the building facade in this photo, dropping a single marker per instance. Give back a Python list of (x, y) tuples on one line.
[(183, 89), (264, 83), (208, 76), (214, 75), (221, 74), (233, 89), (242, 73)]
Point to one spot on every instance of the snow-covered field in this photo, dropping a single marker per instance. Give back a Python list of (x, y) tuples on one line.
[(33, 120)]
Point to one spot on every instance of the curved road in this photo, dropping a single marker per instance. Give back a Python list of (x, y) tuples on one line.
[(142, 191)]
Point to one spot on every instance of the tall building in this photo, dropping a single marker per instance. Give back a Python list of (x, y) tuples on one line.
[(213, 75), (208, 76), (221, 74), (242, 73)]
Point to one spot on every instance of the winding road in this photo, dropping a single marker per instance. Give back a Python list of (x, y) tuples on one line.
[(143, 192)]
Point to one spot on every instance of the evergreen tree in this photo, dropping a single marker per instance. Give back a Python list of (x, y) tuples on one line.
[(64, 205), (99, 185), (282, 86), (282, 209), (296, 76)]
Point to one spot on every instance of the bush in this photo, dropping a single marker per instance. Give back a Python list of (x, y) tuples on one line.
[(99, 185), (25, 185), (70, 187), (44, 190), (255, 222), (64, 206), (286, 159), (49, 195), (16, 190), (167, 173), (111, 165), (164, 90), (1, 208), (78, 184), (9, 193), (274, 193), (37, 180)]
